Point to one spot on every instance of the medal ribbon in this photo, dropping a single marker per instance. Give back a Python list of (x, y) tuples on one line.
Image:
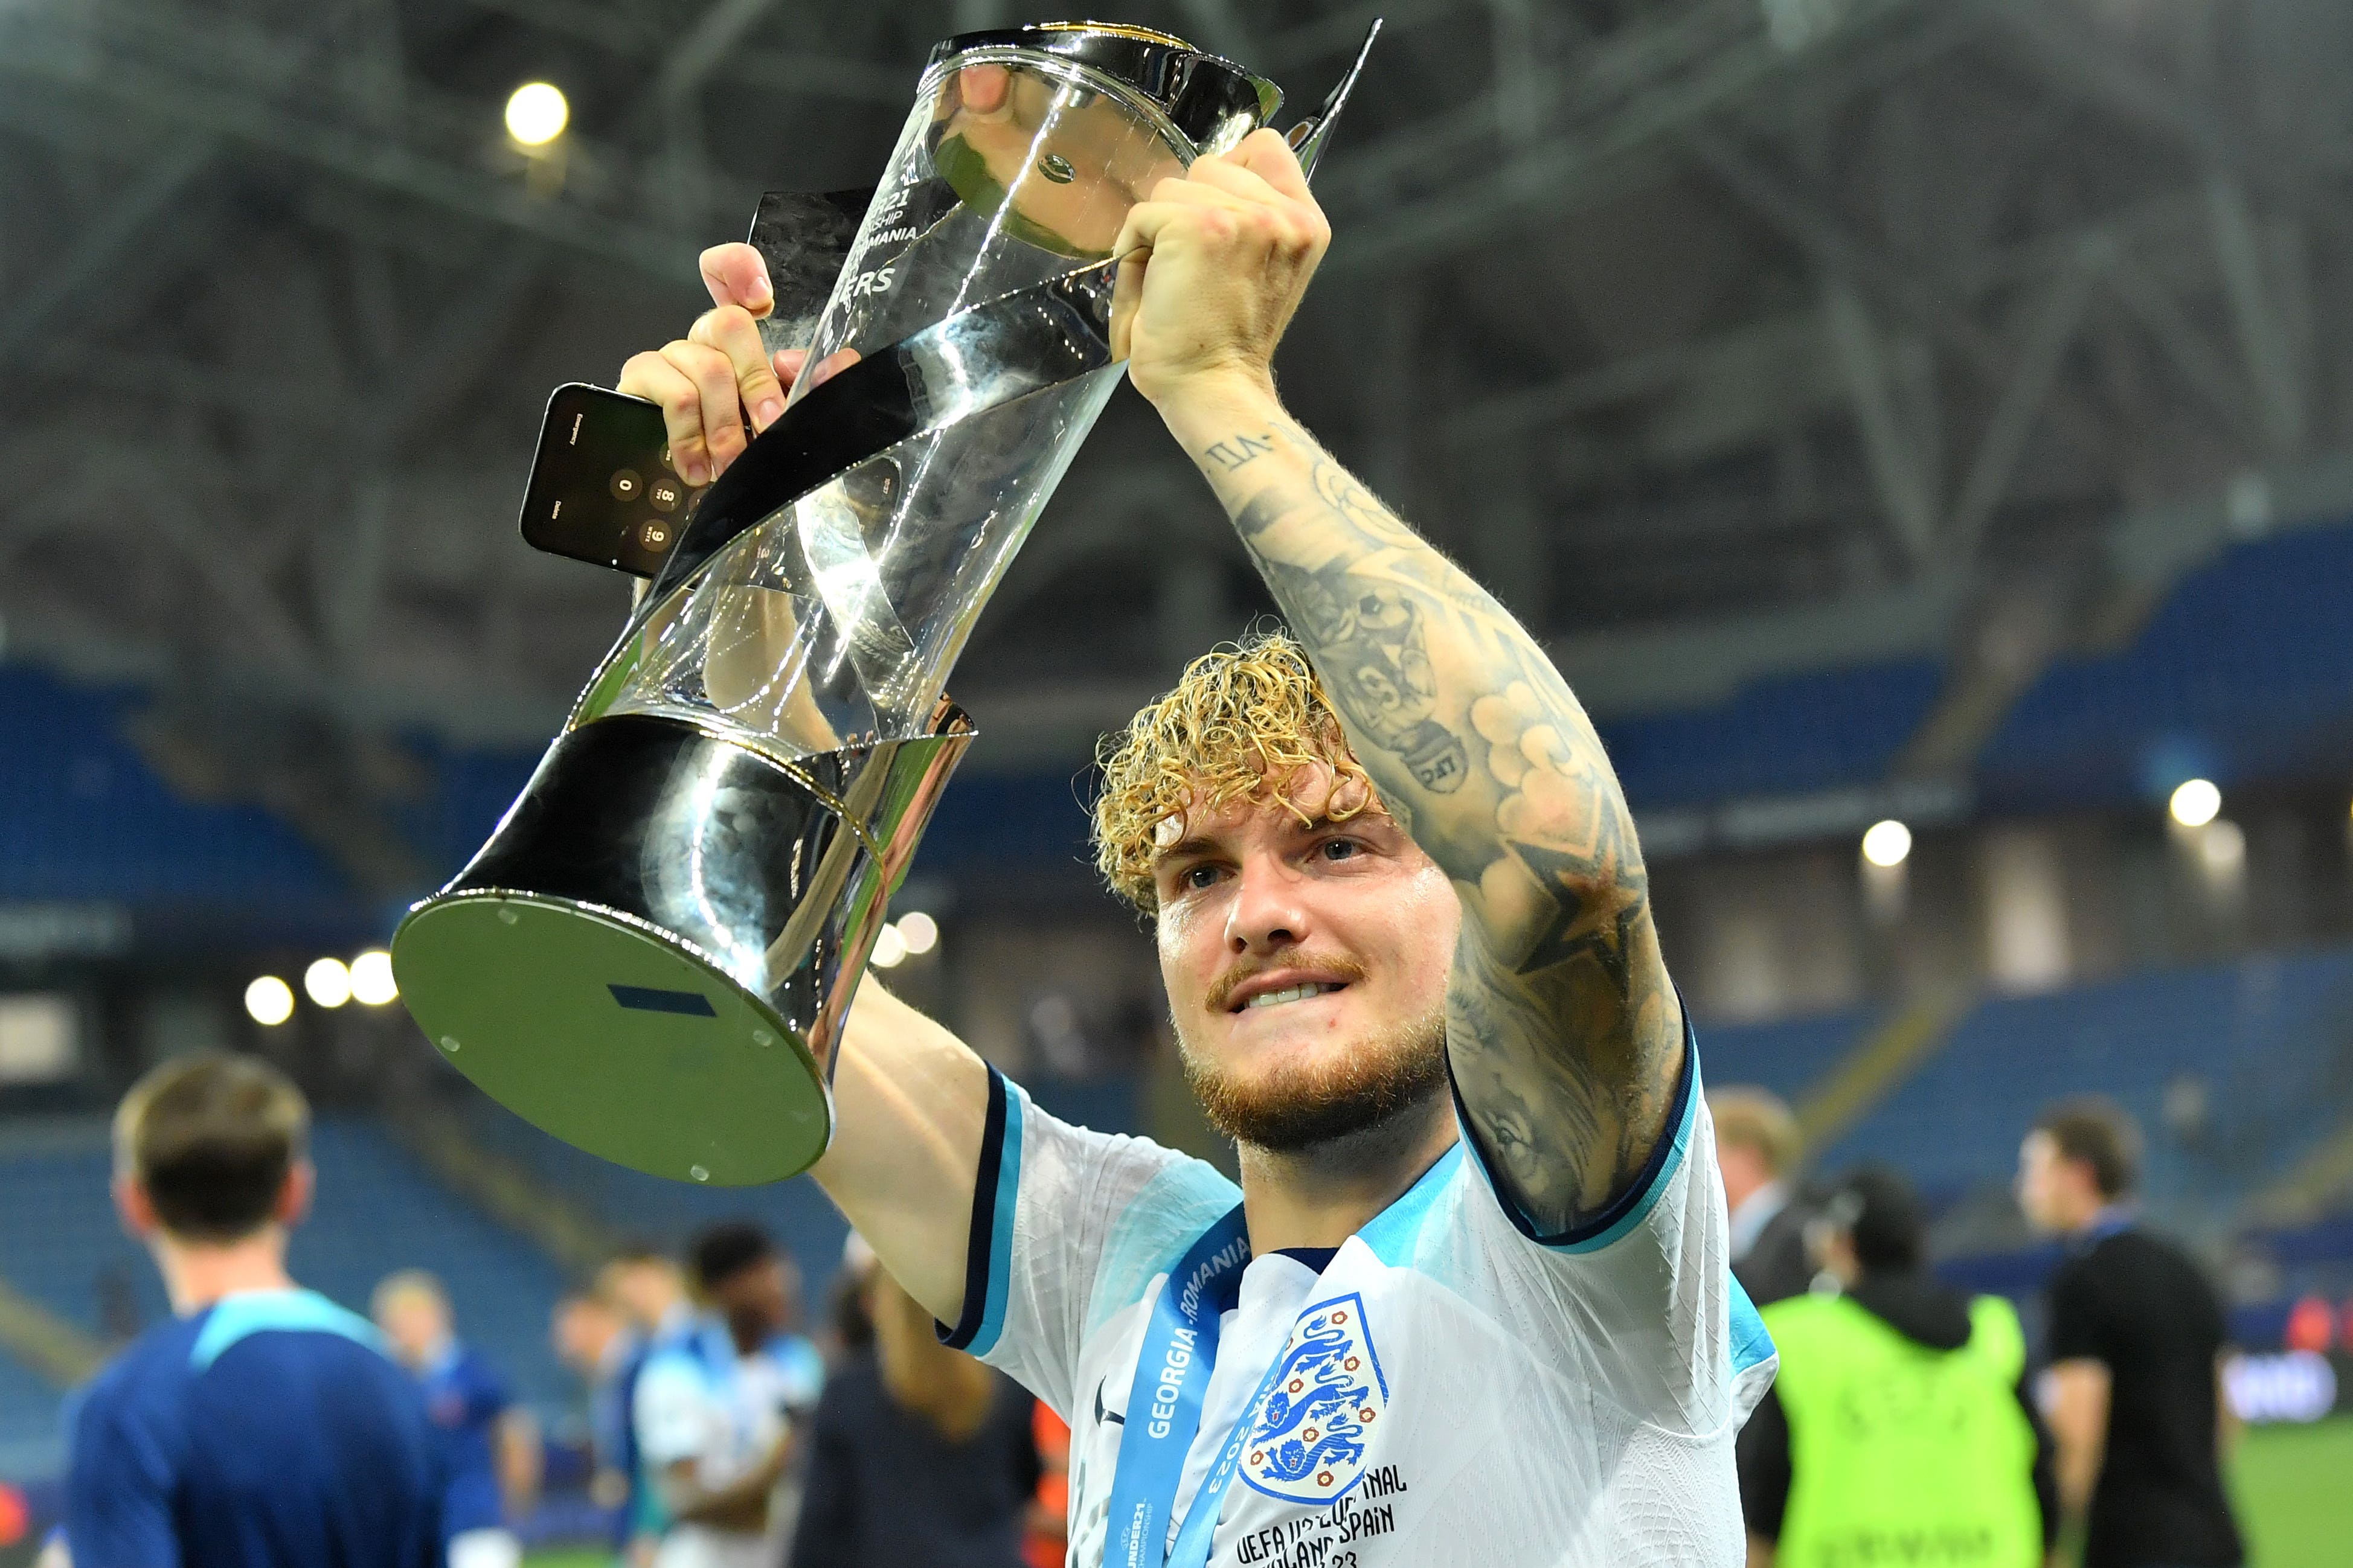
[(1164, 1400)]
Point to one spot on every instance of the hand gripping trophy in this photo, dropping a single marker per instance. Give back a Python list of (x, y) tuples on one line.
[(652, 956)]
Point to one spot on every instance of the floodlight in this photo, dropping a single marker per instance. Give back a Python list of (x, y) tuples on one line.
[(328, 981), (918, 931), (1887, 844), (2196, 803), (371, 981), (270, 1001), (536, 113)]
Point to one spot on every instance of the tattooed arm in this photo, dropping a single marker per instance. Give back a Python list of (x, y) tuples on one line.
[(1564, 1032)]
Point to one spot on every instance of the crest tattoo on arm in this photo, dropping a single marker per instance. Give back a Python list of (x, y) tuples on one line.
[(1564, 1032)]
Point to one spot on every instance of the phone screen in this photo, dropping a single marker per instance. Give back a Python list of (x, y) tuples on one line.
[(602, 487)]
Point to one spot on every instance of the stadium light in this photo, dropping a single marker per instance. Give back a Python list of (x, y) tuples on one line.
[(918, 931), (328, 981), (270, 1001), (2196, 803), (890, 948), (537, 113), (1888, 843), (371, 981)]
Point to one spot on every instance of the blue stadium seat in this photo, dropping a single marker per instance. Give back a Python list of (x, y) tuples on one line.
[(1956, 1124), (89, 819)]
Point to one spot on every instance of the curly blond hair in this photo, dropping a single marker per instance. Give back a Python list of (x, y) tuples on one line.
[(1238, 726)]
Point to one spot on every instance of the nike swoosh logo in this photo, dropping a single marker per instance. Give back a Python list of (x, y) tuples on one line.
[(1102, 1415)]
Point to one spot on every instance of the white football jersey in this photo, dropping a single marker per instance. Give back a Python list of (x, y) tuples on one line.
[(1496, 1399)]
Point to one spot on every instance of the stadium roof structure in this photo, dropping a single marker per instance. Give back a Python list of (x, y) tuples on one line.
[(1728, 338)]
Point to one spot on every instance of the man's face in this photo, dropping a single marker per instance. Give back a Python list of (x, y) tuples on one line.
[(1742, 1168), (1306, 966), (2047, 1183), (416, 1324), (581, 1331), (755, 1300)]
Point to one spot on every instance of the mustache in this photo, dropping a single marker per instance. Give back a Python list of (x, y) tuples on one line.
[(1221, 992)]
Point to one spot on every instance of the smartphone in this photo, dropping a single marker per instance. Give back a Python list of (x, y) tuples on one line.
[(602, 487)]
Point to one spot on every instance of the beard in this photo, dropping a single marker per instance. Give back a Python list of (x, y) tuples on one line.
[(1303, 1106)]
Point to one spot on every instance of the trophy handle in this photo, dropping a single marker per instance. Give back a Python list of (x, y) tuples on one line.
[(1312, 135)]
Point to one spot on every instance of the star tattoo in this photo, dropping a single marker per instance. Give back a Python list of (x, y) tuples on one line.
[(1601, 924)]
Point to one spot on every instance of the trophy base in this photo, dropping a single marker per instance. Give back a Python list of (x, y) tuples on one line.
[(653, 956), (615, 1037)]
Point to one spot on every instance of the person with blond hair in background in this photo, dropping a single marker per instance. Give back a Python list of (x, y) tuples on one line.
[(263, 1427), (918, 1453), (490, 1450), (1757, 1149), (647, 1288)]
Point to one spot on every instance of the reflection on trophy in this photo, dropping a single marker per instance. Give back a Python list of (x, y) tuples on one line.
[(652, 956)]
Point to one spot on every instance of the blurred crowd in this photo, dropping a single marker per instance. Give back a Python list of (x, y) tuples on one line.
[(1909, 1422), (727, 1435)]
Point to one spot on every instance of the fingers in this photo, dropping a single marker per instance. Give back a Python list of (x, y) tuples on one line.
[(720, 438), (695, 385), (736, 276), (832, 365), (731, 329), (1145, 224), (985, 87), (1259, 186), (1266, 154), (651, 376)]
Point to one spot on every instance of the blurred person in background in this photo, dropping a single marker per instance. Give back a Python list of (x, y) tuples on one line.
[(1756, 1148), (1900, 1428), (263, 1425), (591, 1337), (1047, 1543), (711, 1410), (490, 1445), (2134, 1349), (918, 1453), (647, 1287)]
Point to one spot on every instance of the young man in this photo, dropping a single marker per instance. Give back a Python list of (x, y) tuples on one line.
[(263, 1425), (645, 1286), (1404, 928), (490, 1454), (1899, 1428), (2135, 1345), (709, 1410), (590, 1335)]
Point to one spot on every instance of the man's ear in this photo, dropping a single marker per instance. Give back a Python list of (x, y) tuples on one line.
[(132, 1204), (293, 1204)]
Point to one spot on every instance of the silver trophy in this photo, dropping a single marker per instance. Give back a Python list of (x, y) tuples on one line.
[(652, 956)]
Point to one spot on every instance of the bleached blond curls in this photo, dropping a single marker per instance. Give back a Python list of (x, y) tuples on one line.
[(1238, 726)]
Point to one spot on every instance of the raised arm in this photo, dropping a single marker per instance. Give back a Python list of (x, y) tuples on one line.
[(911, 1099), (1563, 1029)]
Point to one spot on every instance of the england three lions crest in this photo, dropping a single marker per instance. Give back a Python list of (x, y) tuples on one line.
[(1308, 1435)]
